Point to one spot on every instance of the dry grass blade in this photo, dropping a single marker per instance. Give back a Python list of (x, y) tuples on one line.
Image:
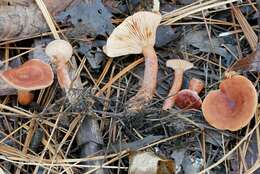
[(169, 19), (120, 74), (126, 153), (187, 8), (67, 132), (104, 72), (48, 18), (247, 29), (73, 125), (2, 106), (254, 167), (231, 151)]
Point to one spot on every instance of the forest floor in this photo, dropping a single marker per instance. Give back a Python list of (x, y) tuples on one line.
[(95, 133)]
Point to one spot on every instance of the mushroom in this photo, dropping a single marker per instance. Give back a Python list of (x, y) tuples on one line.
[(189, 98), (135, 35), (233, 105), (32, 75), (60, 52), (179, 67)]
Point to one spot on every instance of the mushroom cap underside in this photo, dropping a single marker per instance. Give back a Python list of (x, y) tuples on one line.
[(32, 75), (133, 34), (232, 106), (179, 64)]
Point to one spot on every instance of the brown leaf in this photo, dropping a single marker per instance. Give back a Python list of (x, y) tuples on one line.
[(247, 29), (249, 63)]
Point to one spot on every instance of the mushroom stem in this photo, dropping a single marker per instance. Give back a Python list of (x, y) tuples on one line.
[(24, 97), (178, 78), (150, 71), (145, 93), (196, 85), (63, 77)]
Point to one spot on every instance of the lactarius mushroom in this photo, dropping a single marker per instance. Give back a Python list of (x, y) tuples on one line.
[(232, 106), (189, 98), (179, 66), (32, 75), (60, 52), (135, 35)]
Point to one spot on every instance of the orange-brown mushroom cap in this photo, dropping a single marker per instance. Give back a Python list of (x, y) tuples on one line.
[(188, 99), (232, 106), (32, 75)]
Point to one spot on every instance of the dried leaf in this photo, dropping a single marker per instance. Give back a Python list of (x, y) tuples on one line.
[(164, 35), (247, 29), (88, 18), (93, 52), (135, 144), (250, 63), (6, 89), (200, 39)]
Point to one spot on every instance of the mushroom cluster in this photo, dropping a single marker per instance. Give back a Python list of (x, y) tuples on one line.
[(224, 108), (179, 66)]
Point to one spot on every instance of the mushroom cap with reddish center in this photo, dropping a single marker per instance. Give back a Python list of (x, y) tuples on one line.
[(32, 75), (188, 99), (133, 34), (232, 106)]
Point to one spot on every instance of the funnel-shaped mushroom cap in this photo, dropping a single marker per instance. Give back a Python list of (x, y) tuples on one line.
[(232, 106), (32, 75), (59, 50), (188, 99), (133, 34), (179, 64)]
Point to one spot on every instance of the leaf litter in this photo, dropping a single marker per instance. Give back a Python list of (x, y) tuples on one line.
[(57, 136)]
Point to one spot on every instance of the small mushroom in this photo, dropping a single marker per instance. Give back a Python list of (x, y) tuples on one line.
[(135, 35), (179, 67), (32, 75), (60, 52), (233, 105), (189, 98)]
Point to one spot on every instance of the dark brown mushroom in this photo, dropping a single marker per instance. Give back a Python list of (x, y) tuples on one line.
[(189, 98)]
